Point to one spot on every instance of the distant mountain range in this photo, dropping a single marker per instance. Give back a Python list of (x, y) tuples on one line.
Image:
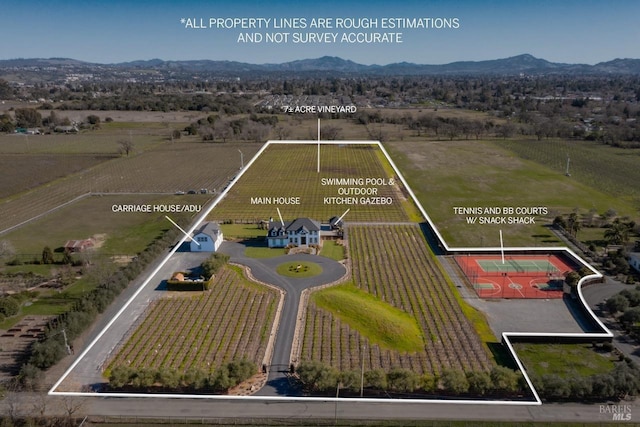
[(515, 65)]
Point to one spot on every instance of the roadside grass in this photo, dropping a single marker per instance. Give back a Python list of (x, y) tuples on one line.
[(473, 173), (563, 360), (380, 322), (299, 269), (331, 249)]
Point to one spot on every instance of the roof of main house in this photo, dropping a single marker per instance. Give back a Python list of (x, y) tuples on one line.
[(296, 225), (210, 228)]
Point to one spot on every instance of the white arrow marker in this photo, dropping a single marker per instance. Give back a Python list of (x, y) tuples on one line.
[(179, 228), (280, 215), (346, 212)]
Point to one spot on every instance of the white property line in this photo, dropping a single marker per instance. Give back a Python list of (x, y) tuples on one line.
[(505, 335)]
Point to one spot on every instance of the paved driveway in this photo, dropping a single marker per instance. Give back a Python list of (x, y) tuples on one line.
[(264, 269)]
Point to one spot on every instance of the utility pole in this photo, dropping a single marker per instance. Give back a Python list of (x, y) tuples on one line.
[(364, 346)]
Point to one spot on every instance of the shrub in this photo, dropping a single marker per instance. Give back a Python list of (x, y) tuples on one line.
[(454, 381), (9, 306)]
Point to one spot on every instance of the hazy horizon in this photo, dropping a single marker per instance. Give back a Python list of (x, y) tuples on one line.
[(571, 31)]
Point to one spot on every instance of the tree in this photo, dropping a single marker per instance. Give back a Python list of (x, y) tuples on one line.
[(9, 306), (47, 255), (617, 233), (28, 118), (93, 120), (126, 146), (504, 378), (402, 380), (454, 381), (617, 303), (6, 249), (479, 382), (376, 378)]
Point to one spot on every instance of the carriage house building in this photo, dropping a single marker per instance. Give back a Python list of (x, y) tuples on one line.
[(207, 238), (299, 232)]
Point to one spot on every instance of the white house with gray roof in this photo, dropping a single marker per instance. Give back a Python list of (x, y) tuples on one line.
[(207, 238), (299, 232)]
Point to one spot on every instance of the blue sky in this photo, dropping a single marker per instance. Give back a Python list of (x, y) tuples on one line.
[(573, 31)]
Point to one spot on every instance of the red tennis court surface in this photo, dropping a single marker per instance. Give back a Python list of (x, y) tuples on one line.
[(519, 276)]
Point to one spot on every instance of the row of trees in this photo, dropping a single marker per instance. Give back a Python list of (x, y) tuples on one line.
[(127, 378), (317, 377), (621, 382)]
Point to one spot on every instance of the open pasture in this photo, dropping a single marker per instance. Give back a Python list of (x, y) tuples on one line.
[(204, 330), (166, 169), (393, 263), (448, 174), (289, 171), (123, 233), (609, 169), (22, 172)]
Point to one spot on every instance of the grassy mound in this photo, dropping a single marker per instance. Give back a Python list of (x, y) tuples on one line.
[(381, 323)]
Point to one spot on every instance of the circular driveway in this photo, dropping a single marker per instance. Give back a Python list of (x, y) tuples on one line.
[(264, 269)]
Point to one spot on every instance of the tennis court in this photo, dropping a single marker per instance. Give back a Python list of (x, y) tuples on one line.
[(515, 276)]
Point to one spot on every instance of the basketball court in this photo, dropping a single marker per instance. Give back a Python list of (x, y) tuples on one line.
[(515, 276)]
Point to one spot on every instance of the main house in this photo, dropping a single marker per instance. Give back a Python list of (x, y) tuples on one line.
[(207, 238), (299, 232)]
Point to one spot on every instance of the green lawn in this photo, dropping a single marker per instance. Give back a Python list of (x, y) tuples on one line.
[(331, 249), (299, 269), (263, 252), (242, 231), (381, 323), (564, 360)]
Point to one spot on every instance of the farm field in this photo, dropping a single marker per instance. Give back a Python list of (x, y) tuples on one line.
[(26, 171), (473, 173), (394, 264), (292, 170), (120, 233), (186, 330), (165, 169), (611, 170)]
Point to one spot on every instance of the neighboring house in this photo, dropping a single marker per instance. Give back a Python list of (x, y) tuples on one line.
[(66, 129), (207, 238), (634, 260), (299, 232), (78, 245)]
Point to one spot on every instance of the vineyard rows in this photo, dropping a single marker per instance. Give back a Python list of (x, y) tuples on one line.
[(229, 322), (393, 263), (292, 172)]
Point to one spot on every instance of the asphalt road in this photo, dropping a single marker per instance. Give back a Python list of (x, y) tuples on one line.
[(303, 412)]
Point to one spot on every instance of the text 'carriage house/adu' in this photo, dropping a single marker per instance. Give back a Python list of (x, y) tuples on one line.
[(301, 232)]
